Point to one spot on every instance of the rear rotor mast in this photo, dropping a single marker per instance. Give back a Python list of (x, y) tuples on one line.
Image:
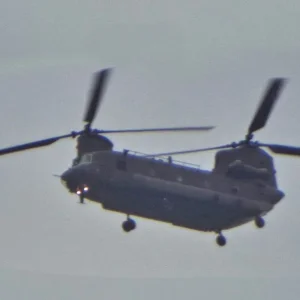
[(259, 121)]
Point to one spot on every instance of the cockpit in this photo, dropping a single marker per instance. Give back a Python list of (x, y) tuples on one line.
[(86, 158), (98, 157)]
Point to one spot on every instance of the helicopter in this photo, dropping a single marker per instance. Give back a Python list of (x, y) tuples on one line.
[(241, 188)]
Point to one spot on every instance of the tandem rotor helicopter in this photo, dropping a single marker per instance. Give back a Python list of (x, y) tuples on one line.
[(241, 187)]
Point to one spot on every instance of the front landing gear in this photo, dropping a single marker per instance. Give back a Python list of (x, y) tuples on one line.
[(81, 191), (221, 240), (128, 225), (81, 199), (259, 222)]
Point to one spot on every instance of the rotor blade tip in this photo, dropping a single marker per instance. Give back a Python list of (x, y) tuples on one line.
[(279, 80), (106, 70)]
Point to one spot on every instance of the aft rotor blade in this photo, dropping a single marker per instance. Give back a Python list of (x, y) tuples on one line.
[(152, 130), (283, 149), (272, 92), (190, 151), (35, 144), (96, 93)]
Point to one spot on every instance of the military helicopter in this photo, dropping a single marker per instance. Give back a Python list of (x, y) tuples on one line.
[(241, 187)]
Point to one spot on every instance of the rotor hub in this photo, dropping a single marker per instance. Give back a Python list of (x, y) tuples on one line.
[(249, 137)]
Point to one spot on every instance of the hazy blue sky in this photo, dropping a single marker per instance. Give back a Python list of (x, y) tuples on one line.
[(176, 63)]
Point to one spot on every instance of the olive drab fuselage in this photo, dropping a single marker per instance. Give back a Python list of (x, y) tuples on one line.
[(241, 186)]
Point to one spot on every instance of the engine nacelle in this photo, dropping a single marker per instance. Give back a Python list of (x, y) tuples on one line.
[(239, 170)]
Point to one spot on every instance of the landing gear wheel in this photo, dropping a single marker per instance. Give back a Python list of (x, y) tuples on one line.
[(221, 240), (128, 225), (259, 222)]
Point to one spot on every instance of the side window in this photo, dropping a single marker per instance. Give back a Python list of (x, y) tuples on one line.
[(90, 157), (179, 178), (121, 165)]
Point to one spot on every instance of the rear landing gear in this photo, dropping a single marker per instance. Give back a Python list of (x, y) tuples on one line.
[(128, 225), (221, 240), (259, 222)]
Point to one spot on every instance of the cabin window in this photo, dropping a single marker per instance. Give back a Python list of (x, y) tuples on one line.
[(217, 197), (87, 158), (239, 203), (121, 165), (206, 184), (234, 190), (262, 163), (152, 172), (261, 184), (179, 178), (167, 204)]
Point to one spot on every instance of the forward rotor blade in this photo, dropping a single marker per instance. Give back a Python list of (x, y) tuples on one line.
[(96, 93), (283, 149), (35, 144), (190, 151), (267, 103), (152, 130)]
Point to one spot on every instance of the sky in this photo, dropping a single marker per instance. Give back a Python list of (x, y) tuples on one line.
[(176, 63)]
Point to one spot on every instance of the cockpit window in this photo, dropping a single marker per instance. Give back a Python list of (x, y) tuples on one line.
[(87, 158)]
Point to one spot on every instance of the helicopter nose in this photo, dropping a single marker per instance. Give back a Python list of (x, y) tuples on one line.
[(72, 178), (64, 177)]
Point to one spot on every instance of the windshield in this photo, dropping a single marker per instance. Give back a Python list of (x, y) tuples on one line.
[(87, 158)]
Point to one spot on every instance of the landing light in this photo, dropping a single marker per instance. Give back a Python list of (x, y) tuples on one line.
[(80, 191)]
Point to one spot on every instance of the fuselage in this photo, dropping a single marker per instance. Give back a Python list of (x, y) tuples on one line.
[(163, 190)]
